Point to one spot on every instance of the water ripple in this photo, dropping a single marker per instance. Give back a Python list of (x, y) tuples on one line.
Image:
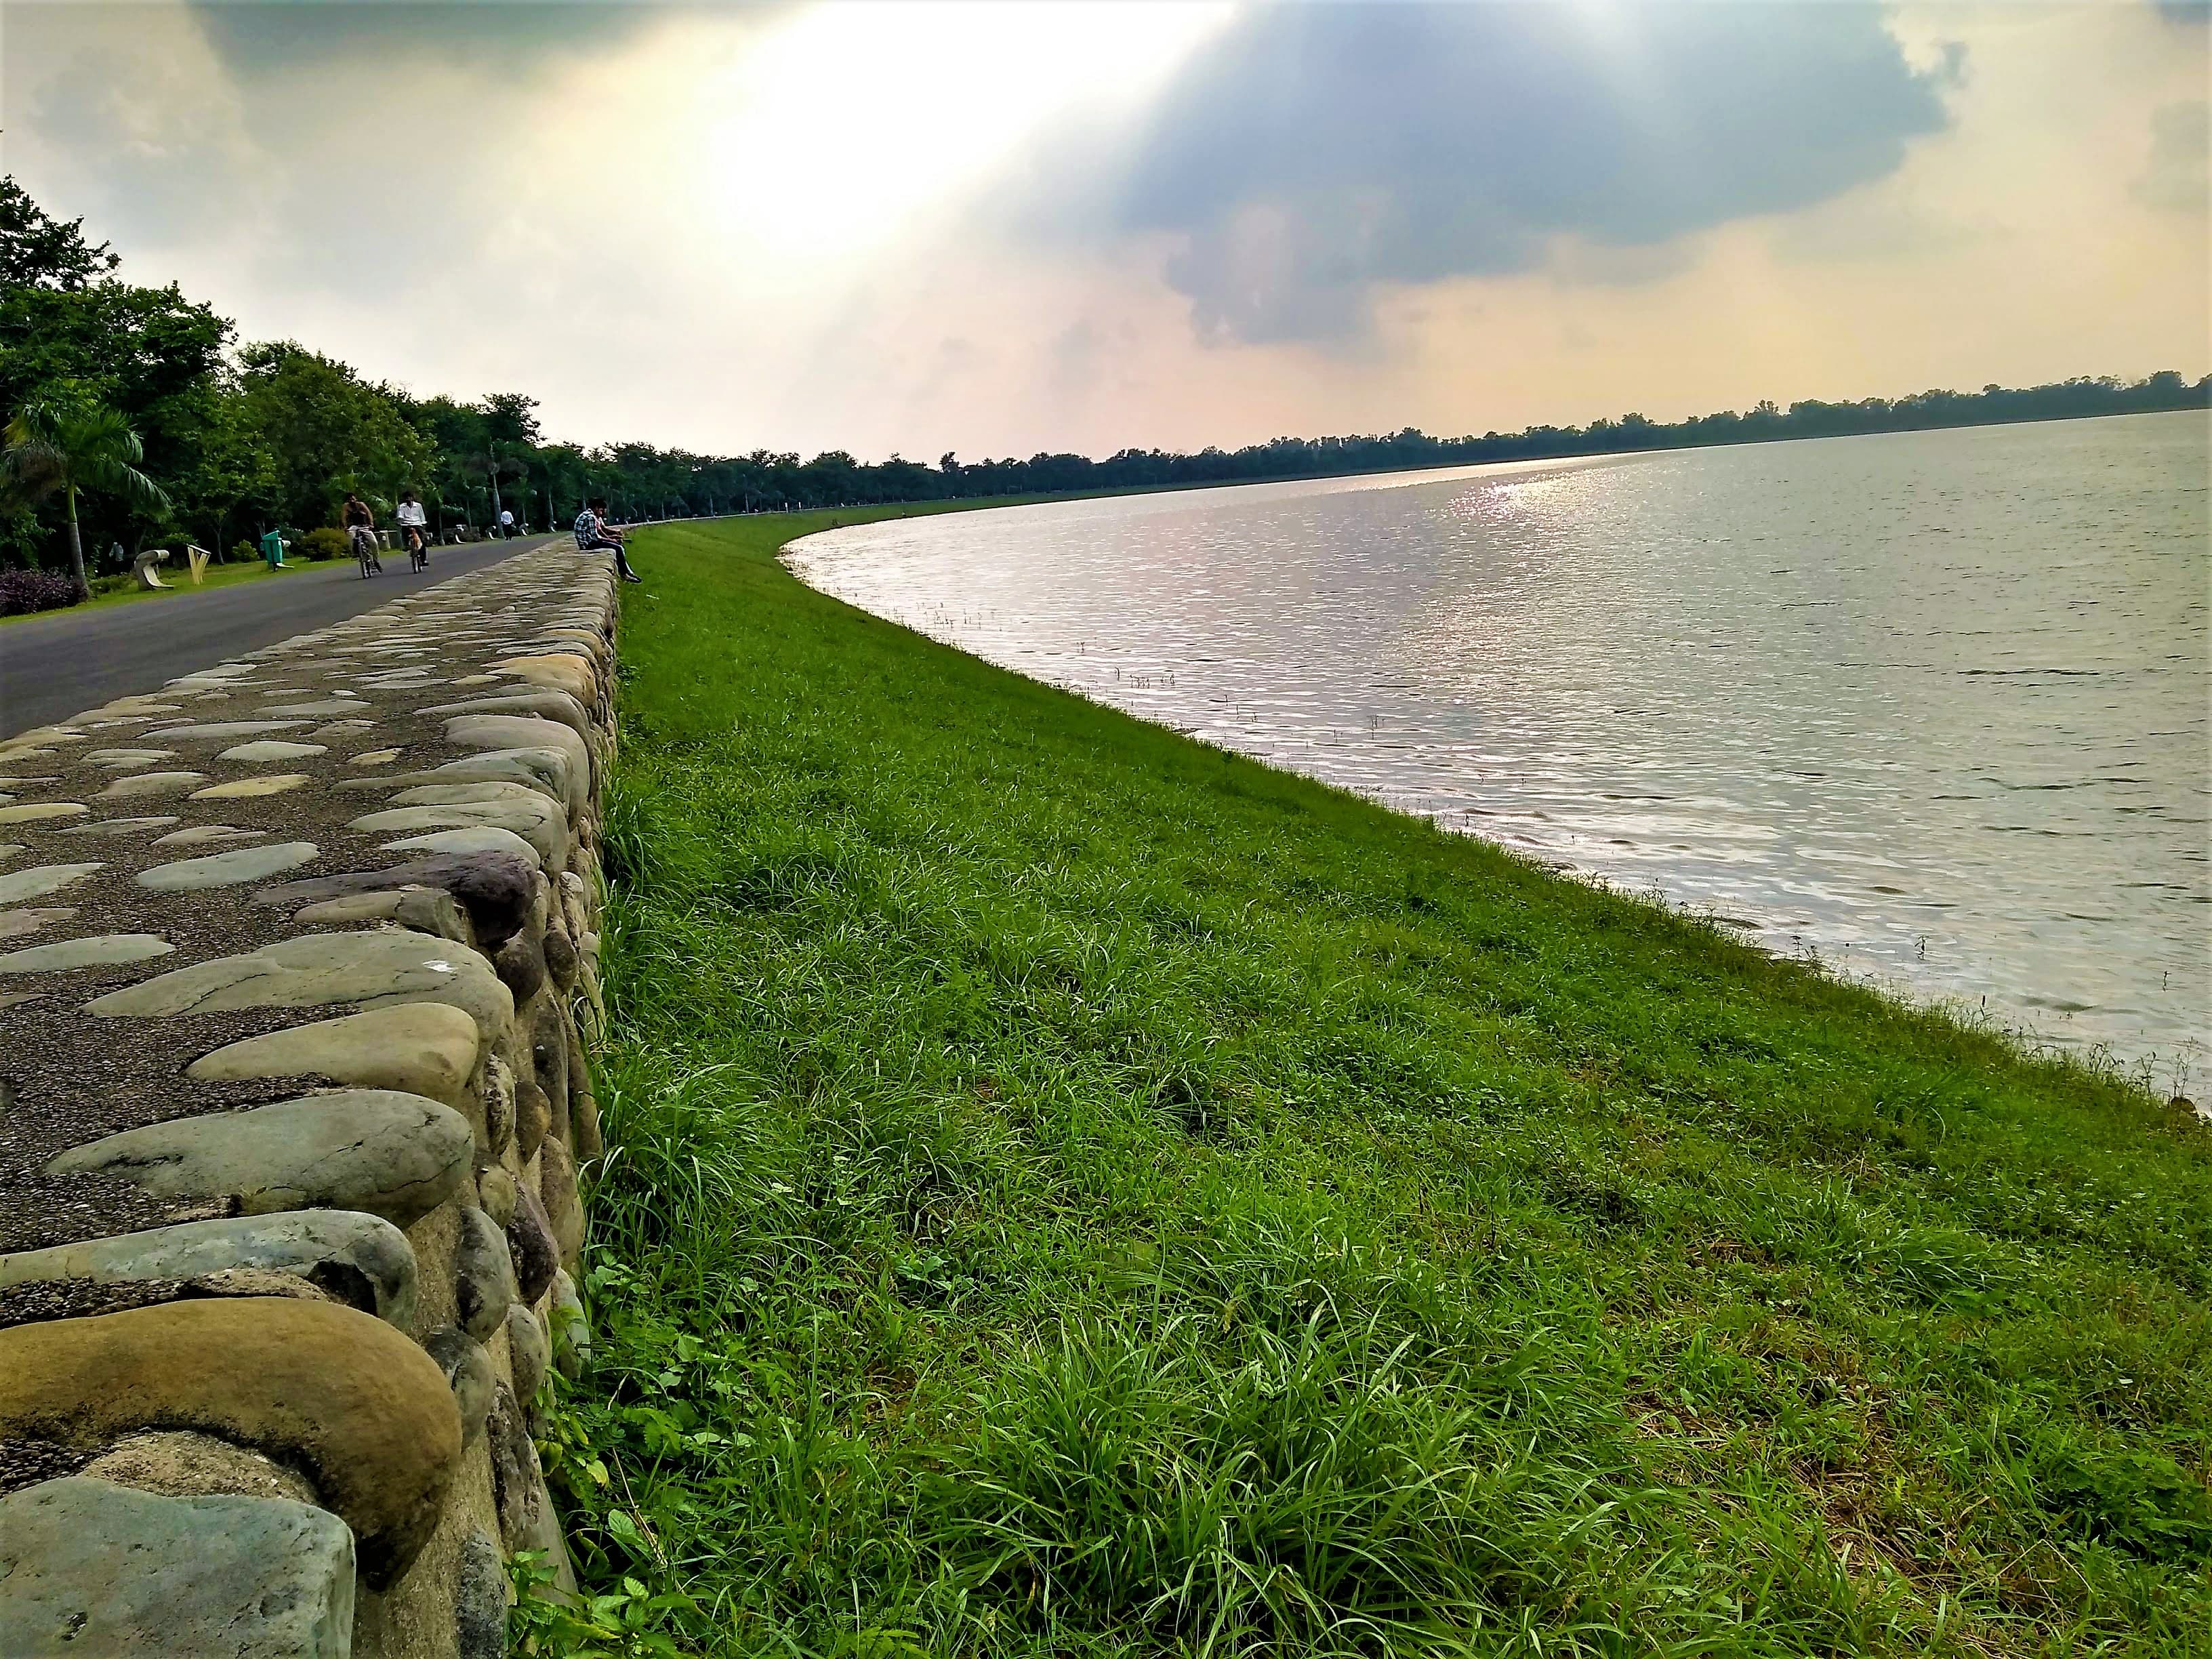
[(1932, 706)]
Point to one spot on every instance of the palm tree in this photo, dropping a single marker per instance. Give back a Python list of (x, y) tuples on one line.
[(53, 445)]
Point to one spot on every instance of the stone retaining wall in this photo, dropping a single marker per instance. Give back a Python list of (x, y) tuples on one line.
[(297, 983)]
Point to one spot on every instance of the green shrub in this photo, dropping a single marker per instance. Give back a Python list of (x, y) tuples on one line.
[(245, 550), (325, 543)]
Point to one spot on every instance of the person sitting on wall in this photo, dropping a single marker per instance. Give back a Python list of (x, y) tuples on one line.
[(595, 535)]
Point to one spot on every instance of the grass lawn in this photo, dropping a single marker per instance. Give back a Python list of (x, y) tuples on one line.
[(1074, 1192), (180, 582)]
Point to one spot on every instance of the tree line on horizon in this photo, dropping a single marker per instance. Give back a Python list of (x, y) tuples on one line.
[(237, 439)]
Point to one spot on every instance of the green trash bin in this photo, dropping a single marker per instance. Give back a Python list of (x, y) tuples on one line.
[(272, 549)]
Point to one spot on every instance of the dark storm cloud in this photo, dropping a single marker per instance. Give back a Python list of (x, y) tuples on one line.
[(256, 37), (1312, 152)]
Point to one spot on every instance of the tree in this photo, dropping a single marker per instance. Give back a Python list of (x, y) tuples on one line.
[(55, 445), (511, 417), (231, 472), (149, 354), (322, 423), (38, 251)]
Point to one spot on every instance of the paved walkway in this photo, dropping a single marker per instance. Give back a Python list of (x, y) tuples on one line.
[(52, 666)]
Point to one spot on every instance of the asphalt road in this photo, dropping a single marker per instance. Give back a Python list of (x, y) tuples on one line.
[(51, 667)]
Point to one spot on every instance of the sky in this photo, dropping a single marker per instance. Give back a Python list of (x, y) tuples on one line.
[(999, 227)]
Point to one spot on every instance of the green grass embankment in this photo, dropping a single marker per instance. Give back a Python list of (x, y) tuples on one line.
[(1074, 1192)]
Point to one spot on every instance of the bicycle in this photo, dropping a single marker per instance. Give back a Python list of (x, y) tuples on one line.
[(418, 549), (364, 549)]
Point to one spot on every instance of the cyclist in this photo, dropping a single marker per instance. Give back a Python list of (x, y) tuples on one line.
[(360, 529), (414, 530)]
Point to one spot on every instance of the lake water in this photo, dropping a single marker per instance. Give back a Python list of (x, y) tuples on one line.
[(1930, 706)]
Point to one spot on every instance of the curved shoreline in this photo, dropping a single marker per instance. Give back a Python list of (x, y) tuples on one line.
[(1096, 1159), (1928, 936)]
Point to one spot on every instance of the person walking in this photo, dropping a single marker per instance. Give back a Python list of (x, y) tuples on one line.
[(360, 529), (414, 529), (507, 529), (595, 535)]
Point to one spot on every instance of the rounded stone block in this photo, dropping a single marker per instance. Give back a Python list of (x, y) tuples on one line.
[(533, 1117), (426, 1048), (544, 770), (520, 965), (566, 1325), (499, 1107), (91, 1567), (480, 1601), (37, 812), (483, 1275), (548, 704), (495, 891), (274, 783), (468, 1371), (371, 970), (518, 1480), (361, 1259), (564, 1208), (574, 674), (526, 813), (476, 839), (363, 1412), (425, 909), (203, 835), (268, 750), (18, 886), (101, 951), (516, 735), (395, 1155), (152, 783), (560, 951), (530, 1243), (495, 1191), (529, 1351), (240, 863), (119, 827), (584, 1125)]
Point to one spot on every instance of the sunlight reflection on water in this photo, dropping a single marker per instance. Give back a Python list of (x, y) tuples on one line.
[(1930, 706)]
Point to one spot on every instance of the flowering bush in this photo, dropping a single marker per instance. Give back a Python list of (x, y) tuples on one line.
[(22, 592)]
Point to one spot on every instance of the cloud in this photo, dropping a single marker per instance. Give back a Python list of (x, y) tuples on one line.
[(1310, 154), (2178, 175), (501, 38)]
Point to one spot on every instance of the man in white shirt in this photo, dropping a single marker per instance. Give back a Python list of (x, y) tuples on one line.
[(506, 525), (414, 527)]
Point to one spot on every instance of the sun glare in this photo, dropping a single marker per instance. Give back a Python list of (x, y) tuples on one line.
[(867, 116)]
